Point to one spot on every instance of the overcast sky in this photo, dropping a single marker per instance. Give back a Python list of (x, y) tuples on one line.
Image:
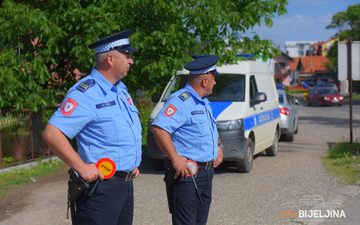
[(306, 21)]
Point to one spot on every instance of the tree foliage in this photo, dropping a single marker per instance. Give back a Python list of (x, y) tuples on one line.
[(348, 25), (45, 42)]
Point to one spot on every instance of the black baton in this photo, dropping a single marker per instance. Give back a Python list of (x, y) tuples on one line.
[(197, 190), (93, 188)]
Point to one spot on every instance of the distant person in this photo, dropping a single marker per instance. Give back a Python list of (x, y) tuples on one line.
[(185, 129), (100, 112)]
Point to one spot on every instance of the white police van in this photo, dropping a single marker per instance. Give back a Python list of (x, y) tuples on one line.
[(246, 107)]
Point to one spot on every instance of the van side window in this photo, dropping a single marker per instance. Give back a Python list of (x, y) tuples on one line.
[(253, 87)]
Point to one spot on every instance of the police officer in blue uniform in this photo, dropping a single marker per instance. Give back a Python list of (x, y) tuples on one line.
[(186, 129), (100, 112)]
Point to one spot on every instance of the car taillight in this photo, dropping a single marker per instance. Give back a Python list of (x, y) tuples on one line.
[(285, 111)]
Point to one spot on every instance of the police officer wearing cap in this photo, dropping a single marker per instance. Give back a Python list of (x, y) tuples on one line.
[(185, 129), (100, 112)]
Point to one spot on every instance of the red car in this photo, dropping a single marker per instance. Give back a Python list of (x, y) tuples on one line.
[(324, 96)]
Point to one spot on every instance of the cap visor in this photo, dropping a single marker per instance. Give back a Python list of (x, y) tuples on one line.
[(216, 72), (128, 49)]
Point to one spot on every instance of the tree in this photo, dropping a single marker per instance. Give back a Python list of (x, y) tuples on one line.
[(45, 41), (347, 22), (348, 25)]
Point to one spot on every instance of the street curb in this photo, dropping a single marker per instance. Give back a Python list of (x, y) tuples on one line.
[(27, 165)]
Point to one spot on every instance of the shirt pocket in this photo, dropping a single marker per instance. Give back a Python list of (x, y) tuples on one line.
[(105, 124), (198, 125)]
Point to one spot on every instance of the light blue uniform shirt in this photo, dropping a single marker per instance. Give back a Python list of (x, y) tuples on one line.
[(104, 120), (190, 122)]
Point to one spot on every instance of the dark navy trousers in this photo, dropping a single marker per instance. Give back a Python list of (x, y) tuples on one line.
[(111, 204), (187, 209)]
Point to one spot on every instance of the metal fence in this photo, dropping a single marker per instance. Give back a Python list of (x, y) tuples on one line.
[(21, 136)]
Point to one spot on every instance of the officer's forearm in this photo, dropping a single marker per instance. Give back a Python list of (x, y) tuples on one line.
[(163, 140), (59, 144)]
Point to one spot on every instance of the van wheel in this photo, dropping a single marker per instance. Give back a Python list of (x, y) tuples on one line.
[(157, 164), (245, 165), (320, 104), (272, 150)]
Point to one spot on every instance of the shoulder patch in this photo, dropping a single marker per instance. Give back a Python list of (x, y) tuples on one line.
[(185, 95), (68, 107), (86, 85), (170, 110)]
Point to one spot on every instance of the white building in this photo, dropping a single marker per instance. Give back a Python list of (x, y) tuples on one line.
[(298, 48)]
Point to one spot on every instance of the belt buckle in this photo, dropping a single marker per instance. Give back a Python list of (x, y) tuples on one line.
[(128, 176), (208, 165)]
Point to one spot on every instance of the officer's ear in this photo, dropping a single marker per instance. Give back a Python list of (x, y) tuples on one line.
[(110, 59), (203, 81), (206, 78)]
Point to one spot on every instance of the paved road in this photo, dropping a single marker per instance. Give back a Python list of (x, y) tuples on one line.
[(294, 180)]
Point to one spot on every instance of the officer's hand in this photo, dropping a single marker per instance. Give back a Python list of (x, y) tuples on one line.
[(181, 167), (136, 172), (219, 159), (90, 173)]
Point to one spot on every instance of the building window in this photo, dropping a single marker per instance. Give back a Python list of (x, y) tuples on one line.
[(301, 47)]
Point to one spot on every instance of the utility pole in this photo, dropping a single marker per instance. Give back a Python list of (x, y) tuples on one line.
[(350, 90)]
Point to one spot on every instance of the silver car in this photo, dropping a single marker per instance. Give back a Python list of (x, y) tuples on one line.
[(288, 106)]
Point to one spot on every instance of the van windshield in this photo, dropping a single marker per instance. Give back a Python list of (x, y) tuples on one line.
[(229, 87)]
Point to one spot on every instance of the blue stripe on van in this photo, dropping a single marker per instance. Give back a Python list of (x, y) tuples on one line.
[(219, 107), (261, 118)]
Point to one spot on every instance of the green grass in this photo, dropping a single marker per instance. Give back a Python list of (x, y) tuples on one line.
[(343, 161), (13, 178), (354, 96)]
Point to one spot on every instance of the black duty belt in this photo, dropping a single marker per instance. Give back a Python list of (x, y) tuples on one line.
[(121, 175), (204, 165)]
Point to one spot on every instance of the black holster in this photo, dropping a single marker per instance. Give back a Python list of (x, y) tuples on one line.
[(76, 186), (169, 179)]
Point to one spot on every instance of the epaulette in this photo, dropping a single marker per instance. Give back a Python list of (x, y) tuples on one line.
[(185, 95), (86, 85)]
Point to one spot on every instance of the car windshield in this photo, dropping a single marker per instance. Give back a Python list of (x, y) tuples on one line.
[(327, 91), (229, 87)]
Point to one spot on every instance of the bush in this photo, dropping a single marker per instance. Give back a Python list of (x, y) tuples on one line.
[(145, 108)]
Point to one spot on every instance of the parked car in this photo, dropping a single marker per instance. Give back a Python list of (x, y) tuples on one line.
[(289, 124), (324, 96)]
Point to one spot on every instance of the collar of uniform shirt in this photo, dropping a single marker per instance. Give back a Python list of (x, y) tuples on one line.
[(193, 92), (105, 85)]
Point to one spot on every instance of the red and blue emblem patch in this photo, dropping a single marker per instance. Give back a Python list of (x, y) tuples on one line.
[(68, 107), (170, 110)]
